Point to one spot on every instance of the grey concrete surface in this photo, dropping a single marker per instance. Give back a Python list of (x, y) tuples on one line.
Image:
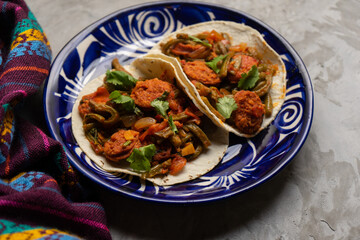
[(317, 196)]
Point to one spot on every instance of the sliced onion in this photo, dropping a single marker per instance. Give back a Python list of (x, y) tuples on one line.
[(144, 123), (128, 120)]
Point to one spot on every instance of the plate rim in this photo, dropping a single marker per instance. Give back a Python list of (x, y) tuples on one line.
[(296, 146)]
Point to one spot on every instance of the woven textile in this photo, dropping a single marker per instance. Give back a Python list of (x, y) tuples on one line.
[(40, 196)]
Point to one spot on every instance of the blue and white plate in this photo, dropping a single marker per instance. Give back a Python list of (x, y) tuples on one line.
[(130, 33)]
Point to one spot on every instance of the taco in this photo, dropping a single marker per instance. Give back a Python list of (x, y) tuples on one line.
[(139, 120), (231, 71)]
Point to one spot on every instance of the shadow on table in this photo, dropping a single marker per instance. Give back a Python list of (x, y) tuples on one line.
[(131, 218)]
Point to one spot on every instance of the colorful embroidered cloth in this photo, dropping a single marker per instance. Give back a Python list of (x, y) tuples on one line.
[(40, 196)]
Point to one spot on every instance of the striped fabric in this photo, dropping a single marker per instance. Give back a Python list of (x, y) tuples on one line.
[(40, 195)]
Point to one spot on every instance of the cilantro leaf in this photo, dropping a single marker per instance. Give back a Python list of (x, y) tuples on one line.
[(160, 106), (226, 106), (126, 102), (172, 124), (197, 40), (148, 150), (248, 80), (140, 158), (163, 96), (120, 80), (138, 112), (213, 63), (138, 161)]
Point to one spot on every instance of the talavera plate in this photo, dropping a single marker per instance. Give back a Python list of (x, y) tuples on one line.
[(130, 33)]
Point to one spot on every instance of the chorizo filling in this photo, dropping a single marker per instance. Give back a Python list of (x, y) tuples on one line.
[(233, 80), (149, 123)]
